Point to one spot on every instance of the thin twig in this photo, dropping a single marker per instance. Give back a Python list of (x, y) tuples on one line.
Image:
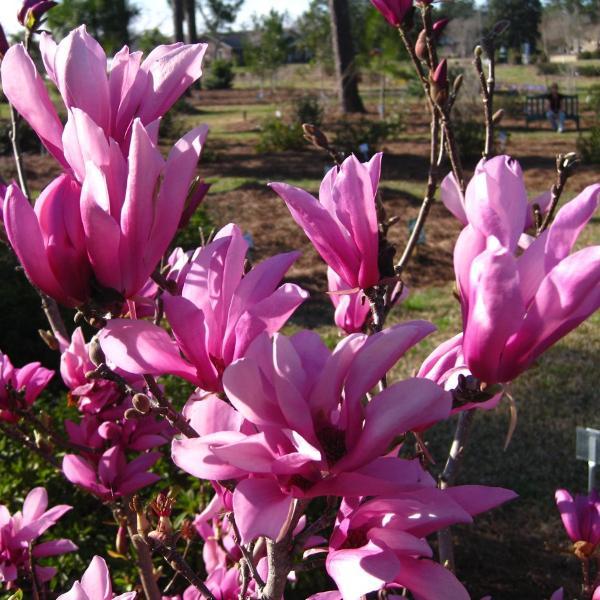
[(175, 418), (564, 169), (246, 554), (448, 477), (16, 146), (179, 564)]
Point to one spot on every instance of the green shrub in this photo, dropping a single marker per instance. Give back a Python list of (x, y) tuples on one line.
[(276, 135), (511, 102), (588, 145), (220, 75), (548, 68), (593, 98), (588, 70), (588, 55), (470, 138), (351, 135), (307, 109)]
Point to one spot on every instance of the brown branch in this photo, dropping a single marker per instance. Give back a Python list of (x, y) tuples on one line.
[(17, 153)]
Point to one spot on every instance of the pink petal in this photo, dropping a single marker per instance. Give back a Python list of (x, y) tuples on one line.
[(496, 311), (35, 504), (25, 90), (428, 580), (53, 548), (260, 508), (96, 579), (452, 198), (170, 72), (476, 499), (568, 514), (140, 347), (359, 571), (404, 406), (80, 67)]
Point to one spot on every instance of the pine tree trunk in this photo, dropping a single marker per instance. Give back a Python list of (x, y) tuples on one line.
[(190, 16), (178, 19), (343, 52)]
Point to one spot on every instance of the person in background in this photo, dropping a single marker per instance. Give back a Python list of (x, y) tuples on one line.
[(555, 112)]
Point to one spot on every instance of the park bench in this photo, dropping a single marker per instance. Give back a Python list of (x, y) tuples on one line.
[(537, 106)]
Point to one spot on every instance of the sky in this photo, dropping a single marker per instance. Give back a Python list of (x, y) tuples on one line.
[(156, 13)]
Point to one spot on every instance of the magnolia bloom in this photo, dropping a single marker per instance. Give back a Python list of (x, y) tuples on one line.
[(20, 386), (104, 238), (342, 223), (516, 306), (580, 516), (394, 11), (381, 543), (351, 306), (113, 476), (95, 585), (455, 201), (297, 426), (19, 532), (133, 87), (445, 365), (218, 314), (34, 10), (92, 395)]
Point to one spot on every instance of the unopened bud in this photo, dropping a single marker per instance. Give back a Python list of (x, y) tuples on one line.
[(498, 116), (457, 84), (97, 322), (95, 352), (132, 413), (439, 83), (49, 339), (141, 403), (478, 52), (583, 550), (315, 136), (121, 541)]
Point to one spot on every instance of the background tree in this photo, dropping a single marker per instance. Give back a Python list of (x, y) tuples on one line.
[(344, 54), (107, 20), (524, 17), (269, 51), (314, 33), (178, 16), (219, 15), (190, 17)]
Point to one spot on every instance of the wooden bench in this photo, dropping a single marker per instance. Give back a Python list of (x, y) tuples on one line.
[(537, 106)]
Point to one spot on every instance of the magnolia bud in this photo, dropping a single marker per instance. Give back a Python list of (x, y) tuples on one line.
[(457, 84), (49, 339), (315, 136), (121, 542), (141, 403), (132, 413), (478, 52), (439, 83), (95, 352)]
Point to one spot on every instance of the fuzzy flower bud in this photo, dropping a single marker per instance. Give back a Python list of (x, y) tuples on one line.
[(439, 83)]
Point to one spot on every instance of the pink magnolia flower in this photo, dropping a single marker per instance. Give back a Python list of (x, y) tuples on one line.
[(394, 11), (220, 311), (351, 306), (342, 224), (78, 66), (297, 426), (95, 585), (92, 395), (381, 542), (516, 306), (445, 365), (20, 386), (34, 9), (113, 476), (103, 240), (19, 532), (455, 202), (580, 516)]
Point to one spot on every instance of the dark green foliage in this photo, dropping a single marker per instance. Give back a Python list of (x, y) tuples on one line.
[(106, 20), (150, 39), (307, 109), (220, 75), (524, 17), (588, 145), (276, 135), (470, 138)]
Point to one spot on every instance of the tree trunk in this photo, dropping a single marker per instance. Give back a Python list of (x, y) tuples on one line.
[(178, 19), (343, 52), (190, 15)]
